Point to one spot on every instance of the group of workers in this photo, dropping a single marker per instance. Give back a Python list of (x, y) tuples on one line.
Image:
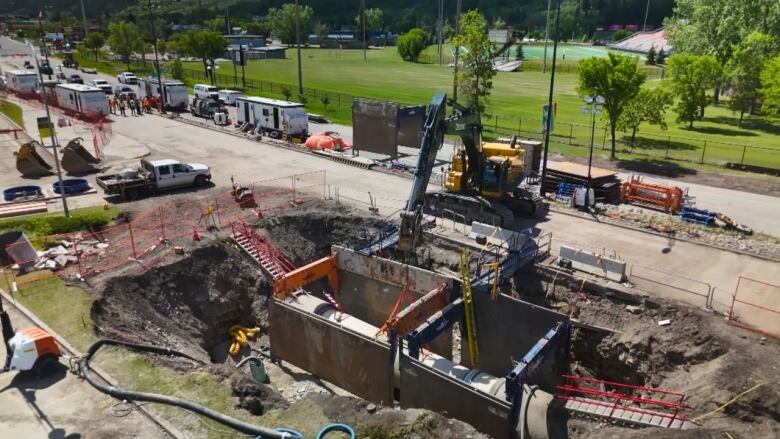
[(125, 103)]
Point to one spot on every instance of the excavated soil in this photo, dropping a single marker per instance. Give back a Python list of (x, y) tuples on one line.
[(189, 304), (306, 233), (697, 354)]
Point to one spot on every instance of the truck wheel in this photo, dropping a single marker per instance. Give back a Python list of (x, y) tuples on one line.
[(132, 194), (200, 181)]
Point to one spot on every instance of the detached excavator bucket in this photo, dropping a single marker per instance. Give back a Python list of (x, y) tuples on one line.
[(34, 160), (77, 160)]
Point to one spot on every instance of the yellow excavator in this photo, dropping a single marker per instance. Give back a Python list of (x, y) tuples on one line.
[(485, 182)]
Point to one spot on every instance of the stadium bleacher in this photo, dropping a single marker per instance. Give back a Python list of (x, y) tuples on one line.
[(641, 42)]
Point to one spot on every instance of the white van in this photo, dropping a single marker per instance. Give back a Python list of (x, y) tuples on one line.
[(205, 91), (229, 96), (21, 81), (273, 117), (82, 99)]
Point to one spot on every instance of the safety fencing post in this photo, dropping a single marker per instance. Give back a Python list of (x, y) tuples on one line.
[(162, 223), (132, 241)]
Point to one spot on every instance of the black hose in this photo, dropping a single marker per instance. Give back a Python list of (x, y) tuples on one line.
[(128, 395)]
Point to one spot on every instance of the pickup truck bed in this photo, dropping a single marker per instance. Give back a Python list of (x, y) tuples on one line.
[(116, 184)]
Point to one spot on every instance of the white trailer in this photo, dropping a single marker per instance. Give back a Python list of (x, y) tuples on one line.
[(21, 81), (273, 117), (81, 98), (176, 94)]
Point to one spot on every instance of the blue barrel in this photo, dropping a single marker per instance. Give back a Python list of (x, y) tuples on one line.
[(15, 192), (72, 186)]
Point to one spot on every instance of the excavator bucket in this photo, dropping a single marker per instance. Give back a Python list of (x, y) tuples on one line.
[(77, 160), (33, 160)]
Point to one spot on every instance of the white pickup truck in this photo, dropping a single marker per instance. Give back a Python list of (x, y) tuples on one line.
[(127, 78), (153, 176)]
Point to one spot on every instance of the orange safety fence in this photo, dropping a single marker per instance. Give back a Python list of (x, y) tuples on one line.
[(141, 240), (754, 306)]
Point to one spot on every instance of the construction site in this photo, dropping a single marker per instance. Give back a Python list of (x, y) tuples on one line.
[(283, 291)]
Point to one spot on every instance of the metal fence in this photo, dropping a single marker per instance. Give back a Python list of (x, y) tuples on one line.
[(566, 134), (754, 306), (145, 238)]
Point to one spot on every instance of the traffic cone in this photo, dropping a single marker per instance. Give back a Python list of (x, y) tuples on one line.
[(258, 213), (195, 235)]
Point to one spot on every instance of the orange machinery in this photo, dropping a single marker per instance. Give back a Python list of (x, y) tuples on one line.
[(653, 195)]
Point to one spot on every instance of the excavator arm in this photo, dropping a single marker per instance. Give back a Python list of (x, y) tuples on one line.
[(463, 123)]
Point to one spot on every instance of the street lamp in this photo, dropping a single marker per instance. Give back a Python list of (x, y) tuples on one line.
[(548, 121), (593, 106), (157, 59)]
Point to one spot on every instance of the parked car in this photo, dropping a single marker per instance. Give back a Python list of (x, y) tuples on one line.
[(103, 85), (124, 90), (127, 78), (75, 79), (91, 70)]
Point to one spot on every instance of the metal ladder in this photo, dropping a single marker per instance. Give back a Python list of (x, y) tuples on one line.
[(468, 309)]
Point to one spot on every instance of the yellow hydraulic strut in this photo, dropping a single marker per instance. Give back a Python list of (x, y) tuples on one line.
[(468, 309)]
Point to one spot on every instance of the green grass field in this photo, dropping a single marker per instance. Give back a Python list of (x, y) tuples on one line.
[(515, 103), (12, 111)]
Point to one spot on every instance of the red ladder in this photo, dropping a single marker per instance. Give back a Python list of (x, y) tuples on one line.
[(270, 258)]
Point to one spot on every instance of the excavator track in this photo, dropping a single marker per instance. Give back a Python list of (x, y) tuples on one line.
[(472, 208)]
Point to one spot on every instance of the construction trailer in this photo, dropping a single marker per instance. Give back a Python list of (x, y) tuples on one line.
[(176, 94), (83, 99), (272, 117), (21, 81)]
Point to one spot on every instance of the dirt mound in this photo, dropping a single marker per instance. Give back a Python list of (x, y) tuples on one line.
[(306, 233), (697, 353), (189, 304), (254, 397)]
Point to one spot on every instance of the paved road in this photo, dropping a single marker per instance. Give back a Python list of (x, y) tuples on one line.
[(61, 406)]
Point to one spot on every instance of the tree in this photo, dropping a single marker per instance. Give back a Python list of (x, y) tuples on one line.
[(621, 34), (499, 23), (475, 76), (743, 71), (286, 92), (651, 56), (411, 44), (216, 24), (770, 87), (325, 102), (162, 46), (321, 30), (258, 28), (124, 39), (374, 20), (206, 45), (617, 79), (715, 27), (691, 76), (176, 69), (282, 22), (648, 106), (660, 57), (94, 42)]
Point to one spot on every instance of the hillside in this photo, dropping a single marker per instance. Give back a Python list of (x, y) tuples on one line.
[(400, 15)]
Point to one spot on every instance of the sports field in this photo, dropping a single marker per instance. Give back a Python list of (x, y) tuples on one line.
[(515, 103), (566, 52)]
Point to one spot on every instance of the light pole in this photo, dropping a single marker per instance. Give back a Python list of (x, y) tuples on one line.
[(84, 18), (363, 24), (44, 49), (157, 59), (51, 134), (440, 31), (593, 106), (550, 107), (546, 32), (457, 50), (647, 11), (298, 46)]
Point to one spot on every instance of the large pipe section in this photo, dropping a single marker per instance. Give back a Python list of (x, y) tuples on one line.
[(534, 407)]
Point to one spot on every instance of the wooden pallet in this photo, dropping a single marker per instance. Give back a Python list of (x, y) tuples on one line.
[(23, 208)]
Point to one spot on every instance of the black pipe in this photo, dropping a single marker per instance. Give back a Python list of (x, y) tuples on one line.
[(128, 395)]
